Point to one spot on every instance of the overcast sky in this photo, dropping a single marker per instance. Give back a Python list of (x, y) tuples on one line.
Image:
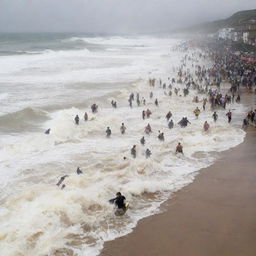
[(125, 16)]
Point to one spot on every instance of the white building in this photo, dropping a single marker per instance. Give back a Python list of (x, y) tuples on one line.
[(246, 37), (226, 33)]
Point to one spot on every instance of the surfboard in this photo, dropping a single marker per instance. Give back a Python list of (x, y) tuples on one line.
[(121, 212)]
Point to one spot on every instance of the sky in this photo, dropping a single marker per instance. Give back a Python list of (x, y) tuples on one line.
[(113, 16)]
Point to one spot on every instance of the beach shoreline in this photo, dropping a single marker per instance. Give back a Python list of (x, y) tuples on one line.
[(214, 215)]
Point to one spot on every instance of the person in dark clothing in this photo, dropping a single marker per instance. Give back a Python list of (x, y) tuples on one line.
[(142, 141), (229, 115), (108, 132), (215, 116), (119, 201), (77, 119), (148, 153), (78, 171), (170, 124), (61, 179), (47, 131), (133, 151)]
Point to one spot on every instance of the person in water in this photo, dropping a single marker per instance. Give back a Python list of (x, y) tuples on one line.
[(179, 149), (122, 128), (77, 120), (168, 115), (47, 131), (133, 151), (142, 141), (108, 132), (61, 179), (119, 201), (197, 112), (160, 136), (85, 116), (215, 116), (170, 124), (206, 126), (78, 171), (229, 115), (148, 129), (148, 153)]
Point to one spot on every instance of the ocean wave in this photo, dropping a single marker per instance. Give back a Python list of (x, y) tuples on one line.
[(22, 120)]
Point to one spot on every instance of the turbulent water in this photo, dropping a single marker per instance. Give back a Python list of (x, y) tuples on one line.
[(47, 79)]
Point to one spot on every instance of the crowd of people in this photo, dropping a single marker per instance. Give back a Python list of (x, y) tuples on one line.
[(226, 67)]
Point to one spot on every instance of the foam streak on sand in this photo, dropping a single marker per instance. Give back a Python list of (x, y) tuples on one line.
[(37, 218)]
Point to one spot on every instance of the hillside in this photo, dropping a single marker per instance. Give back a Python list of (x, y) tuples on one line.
[(213, 27)]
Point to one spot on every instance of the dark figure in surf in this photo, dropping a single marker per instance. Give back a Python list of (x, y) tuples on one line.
[(245, 123), (61, 179), (229, 115), (133, 151), (143, 114), (108, 132), (184, 122), (148, 153), (122, 128), (160, 136), (156, 102), (215, 116), (114, 104), (77, 120), (170, 124), (78, 171), (94, 108), (168, 115), (47, 131), (85, 116), (142, 141), (119, 201)]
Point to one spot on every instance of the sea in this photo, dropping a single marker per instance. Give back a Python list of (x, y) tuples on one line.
[(48, 79)]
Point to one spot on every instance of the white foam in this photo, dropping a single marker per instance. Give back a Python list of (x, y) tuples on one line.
[(80, 217)]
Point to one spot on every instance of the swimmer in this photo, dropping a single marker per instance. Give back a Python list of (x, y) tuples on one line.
[(122, 128), (47, 131), (77, 120), (108, 132), (61, 179), (78, 171), (133, 151), (179, 149), (142, 141)]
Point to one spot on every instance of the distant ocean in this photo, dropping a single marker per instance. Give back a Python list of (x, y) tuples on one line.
[(45, 81)]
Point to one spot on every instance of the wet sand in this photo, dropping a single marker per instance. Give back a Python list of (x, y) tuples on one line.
[(213, 216)]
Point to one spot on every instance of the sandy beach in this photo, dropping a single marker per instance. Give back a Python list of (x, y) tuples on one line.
[(214, 215)]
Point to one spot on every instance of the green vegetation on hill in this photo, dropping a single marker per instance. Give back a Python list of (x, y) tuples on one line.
[(212, 27)]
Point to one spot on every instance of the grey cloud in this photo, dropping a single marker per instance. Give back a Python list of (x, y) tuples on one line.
[(112, 15)]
